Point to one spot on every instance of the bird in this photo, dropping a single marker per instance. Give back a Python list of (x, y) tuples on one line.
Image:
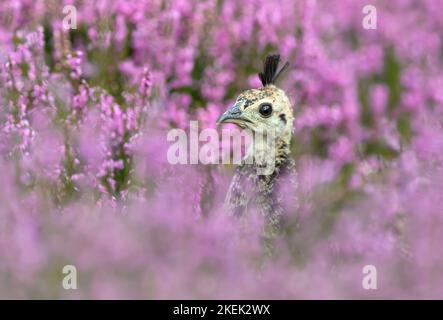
[(262, 110)]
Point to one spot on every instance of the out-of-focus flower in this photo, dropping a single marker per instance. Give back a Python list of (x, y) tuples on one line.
[(85, 179)]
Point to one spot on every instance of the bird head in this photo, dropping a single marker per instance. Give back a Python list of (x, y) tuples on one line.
[(264, 109)]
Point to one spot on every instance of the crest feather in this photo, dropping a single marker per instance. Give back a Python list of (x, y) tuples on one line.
[(270, 74)]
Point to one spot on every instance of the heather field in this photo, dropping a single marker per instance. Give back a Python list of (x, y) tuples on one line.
[(90, 89)]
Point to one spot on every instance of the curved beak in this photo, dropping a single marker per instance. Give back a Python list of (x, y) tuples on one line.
[(233, 115)]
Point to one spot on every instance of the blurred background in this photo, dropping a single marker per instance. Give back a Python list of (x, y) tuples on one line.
[(84, 114)]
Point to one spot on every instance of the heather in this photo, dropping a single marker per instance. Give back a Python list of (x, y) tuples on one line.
[(84, 116)]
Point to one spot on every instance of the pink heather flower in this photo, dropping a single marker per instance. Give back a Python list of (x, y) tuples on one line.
[(74, 62), (342, 150), (80, 100), (146, 83), (86, 181)]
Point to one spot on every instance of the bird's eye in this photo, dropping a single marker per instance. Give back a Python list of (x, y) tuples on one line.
[(265, 110)]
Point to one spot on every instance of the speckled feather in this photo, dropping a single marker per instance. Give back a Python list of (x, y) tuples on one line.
[(259, 192)]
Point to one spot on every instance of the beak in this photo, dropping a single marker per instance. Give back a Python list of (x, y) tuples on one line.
[(232, 115)]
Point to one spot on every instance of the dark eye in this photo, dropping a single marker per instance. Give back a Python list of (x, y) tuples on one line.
[(265, 110)]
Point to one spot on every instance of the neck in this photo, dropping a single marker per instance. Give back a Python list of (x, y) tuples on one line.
[(268, 155)]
